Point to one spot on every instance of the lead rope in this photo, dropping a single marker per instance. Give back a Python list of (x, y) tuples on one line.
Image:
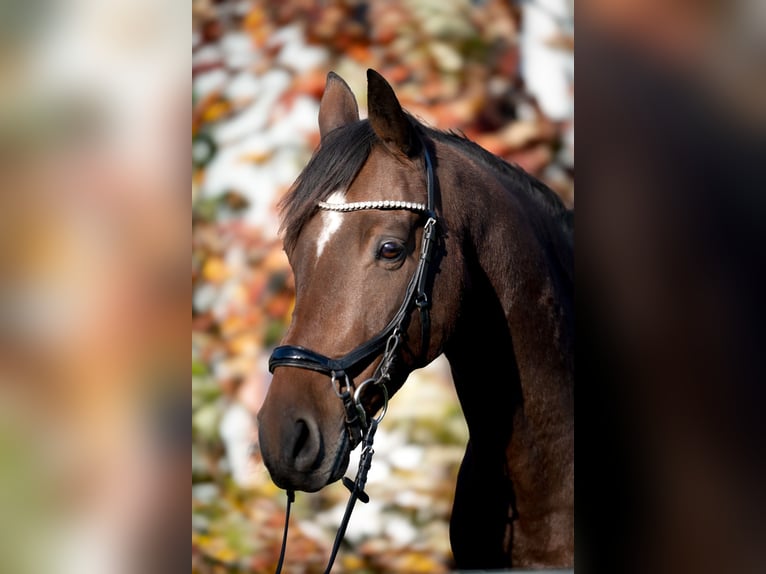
[(290, 500), (357, 490), (357, 493)]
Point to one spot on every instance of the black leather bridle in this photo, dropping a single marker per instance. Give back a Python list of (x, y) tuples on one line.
[(341, 370)]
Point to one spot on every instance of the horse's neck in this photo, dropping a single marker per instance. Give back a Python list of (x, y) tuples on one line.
[(511, 353)]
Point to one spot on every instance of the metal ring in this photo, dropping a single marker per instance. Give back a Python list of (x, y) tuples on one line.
[(384, 390), (385, 404)]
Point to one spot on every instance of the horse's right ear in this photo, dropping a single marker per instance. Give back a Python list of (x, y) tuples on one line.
[(338, 106), (386, 115)]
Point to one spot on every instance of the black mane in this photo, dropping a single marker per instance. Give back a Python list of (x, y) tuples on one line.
[(544, 197), (344, 151)]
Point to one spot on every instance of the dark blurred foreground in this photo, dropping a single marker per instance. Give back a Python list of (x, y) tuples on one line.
[(671, 427)]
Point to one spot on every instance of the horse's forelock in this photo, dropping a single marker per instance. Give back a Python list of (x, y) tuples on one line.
[(333, 166)]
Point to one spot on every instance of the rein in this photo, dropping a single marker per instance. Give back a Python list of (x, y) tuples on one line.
[(360, 429)]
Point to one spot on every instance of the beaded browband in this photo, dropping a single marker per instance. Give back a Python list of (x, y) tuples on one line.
[(383, 204)]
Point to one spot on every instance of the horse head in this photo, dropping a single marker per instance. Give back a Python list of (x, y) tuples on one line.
[(354, 224)]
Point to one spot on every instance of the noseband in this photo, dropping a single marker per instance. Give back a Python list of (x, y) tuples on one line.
[(342, 369)]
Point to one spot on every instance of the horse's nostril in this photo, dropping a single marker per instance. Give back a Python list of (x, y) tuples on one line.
[(307, 448), (302, 438)]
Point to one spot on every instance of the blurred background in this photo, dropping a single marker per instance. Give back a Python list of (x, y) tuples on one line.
[(500, 72), (94, 296)]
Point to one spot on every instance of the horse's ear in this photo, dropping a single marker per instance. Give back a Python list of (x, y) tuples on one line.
[(338, 106), (386, 115)]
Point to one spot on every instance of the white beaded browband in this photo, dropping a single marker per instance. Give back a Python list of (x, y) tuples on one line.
[(383, 204)]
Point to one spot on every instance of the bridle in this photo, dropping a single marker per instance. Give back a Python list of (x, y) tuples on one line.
[(360, 427), (341, 370)]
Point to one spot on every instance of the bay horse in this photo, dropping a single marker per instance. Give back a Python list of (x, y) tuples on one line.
[(407, 242)]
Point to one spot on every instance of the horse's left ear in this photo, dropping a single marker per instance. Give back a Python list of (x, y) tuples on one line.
[(338, 106), (386, 116)]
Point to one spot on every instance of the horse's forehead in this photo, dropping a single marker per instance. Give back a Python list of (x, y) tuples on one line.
[(380, 178), (383, 177)]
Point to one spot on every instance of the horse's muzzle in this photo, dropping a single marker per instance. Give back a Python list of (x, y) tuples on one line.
[(298, 454)]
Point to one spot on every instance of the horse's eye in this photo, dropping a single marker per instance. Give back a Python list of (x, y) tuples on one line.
[(390, 250)]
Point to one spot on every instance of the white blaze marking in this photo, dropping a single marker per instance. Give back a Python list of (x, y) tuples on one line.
[(331, 221)]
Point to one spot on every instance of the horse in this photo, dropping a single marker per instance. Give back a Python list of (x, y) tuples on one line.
[(407, 242)]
